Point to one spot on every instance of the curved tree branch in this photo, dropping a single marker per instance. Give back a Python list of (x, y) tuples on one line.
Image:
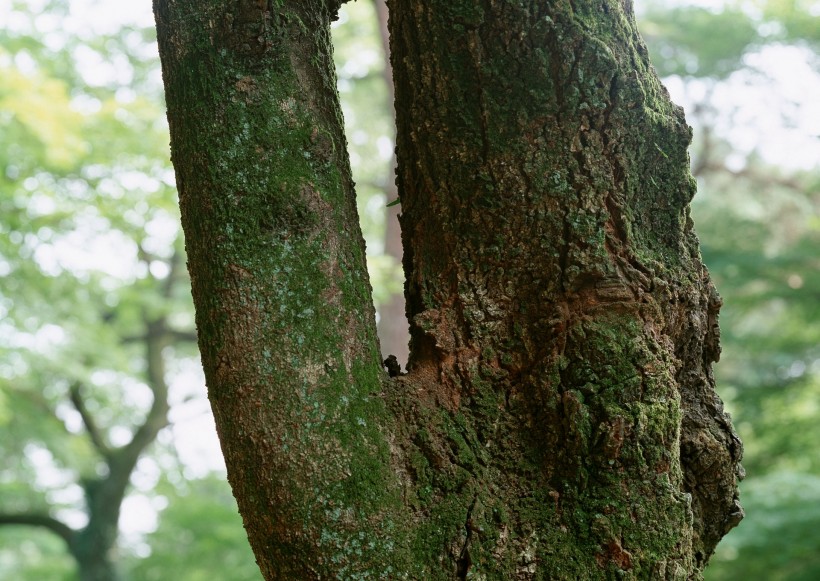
[(97, 437), (156, 338), (57, 527)]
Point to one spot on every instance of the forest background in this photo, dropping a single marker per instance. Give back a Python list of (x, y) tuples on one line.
[(96, 321)]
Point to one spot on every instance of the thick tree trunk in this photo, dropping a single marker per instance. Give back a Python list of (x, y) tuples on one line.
[(559, 310), (559, 419)]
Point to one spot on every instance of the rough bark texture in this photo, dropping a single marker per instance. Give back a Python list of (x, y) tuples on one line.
[(559, 419), (563, 326), (283, 309)]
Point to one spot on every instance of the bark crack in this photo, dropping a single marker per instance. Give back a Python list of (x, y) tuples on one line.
[(475, 47), (464, 561)]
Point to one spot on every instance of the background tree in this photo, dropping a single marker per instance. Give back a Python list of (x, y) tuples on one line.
[(96, 317), (560, 396), (366, 92)]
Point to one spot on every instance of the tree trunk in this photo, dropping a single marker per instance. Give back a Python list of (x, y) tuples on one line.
[(559, 419), (392, 325), (94, 547), (284, 315)]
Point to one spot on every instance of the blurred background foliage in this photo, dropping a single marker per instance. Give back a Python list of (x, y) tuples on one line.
[(90, 252), (747, 75)]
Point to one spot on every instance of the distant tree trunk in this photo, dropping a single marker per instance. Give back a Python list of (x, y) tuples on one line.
[(392, 326), (559, 419), (94, 546)]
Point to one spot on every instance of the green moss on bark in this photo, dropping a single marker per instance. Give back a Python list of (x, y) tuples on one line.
[(552, 275), (559, 406), (284, 314)]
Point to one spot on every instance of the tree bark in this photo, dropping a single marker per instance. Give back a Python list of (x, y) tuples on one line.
[(559, 419), (283, 308), (559, 310)]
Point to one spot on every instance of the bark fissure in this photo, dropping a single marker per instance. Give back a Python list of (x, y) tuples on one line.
[(464, 561)]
